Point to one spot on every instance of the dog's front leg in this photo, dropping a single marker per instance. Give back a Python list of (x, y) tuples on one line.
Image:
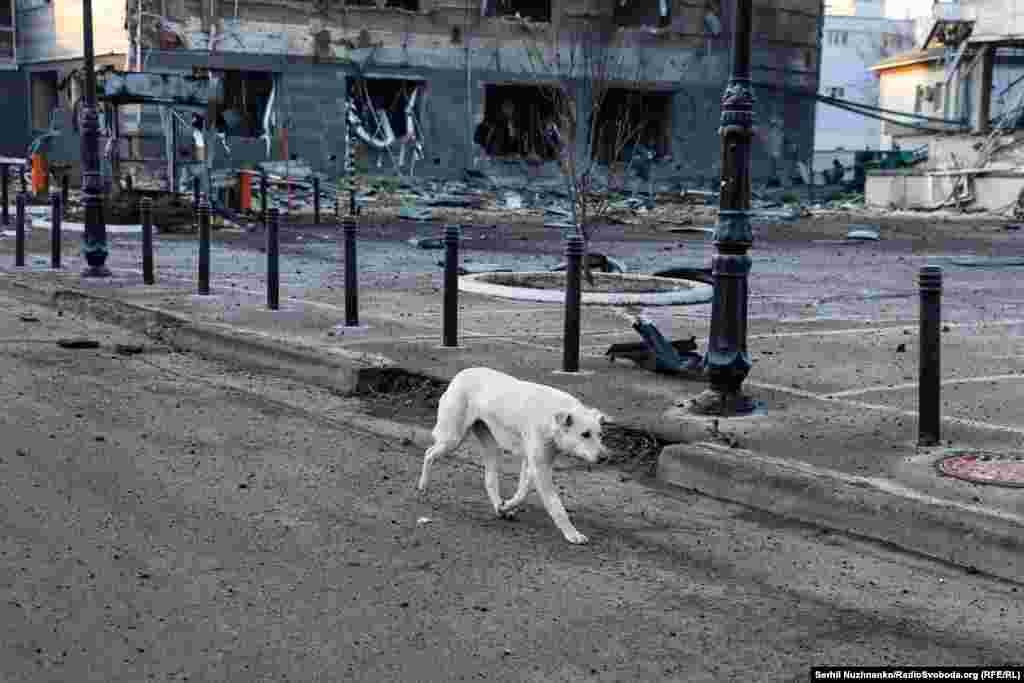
[(552, 503), (509, 507)]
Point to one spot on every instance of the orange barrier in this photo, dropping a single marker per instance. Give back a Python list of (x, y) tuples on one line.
[(40, 174), (244, 191)]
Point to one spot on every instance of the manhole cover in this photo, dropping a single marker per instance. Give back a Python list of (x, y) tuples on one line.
[(985, 468)]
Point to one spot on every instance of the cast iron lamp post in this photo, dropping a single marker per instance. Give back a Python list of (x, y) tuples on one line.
[(94, 239), (727, 361)]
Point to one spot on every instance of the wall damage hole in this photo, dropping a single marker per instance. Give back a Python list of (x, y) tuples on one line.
[(534, 10), (246, 95), (44, 97), (516, 118), (642, 13), (629, 119), (383, 112)]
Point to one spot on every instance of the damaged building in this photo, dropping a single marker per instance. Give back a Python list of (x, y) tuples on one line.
[(425, 87), (964, 85)]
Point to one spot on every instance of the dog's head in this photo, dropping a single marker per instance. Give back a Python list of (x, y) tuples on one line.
[(578, 433)]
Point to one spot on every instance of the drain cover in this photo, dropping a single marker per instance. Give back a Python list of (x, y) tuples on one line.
[(980, 467)]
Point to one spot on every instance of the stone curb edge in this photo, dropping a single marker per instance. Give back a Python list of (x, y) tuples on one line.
[(269, 355), (698, 293), (964, 535)]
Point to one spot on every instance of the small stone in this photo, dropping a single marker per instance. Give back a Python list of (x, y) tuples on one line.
[(901, 348)]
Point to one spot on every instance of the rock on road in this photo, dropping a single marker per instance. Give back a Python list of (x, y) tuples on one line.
[(165, 518)]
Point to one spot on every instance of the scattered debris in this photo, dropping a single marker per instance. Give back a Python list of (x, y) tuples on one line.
[(1012, 226), (599, 263), (427, 242), (863, 232), (423, 520), (78, 343), (128, 349), (657, 354), (901, 348), (415, 213), (26, 318)]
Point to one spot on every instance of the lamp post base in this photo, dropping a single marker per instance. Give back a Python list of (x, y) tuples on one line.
[(97, 271), (721, 404)]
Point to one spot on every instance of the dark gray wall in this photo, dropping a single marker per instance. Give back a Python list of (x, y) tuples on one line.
[(14, 121)]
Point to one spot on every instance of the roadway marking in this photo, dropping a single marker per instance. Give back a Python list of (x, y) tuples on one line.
[(913, 385)]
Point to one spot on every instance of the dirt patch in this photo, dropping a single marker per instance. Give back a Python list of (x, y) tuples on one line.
[(403, 396), (603, 282)]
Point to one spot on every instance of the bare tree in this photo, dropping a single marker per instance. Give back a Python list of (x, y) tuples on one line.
[(578, 66)]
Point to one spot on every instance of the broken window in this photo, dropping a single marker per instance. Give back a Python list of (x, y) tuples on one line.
[(534, 10), (385, 115), (643, 12), (44, 98), (516, 120), (7, 40), (246, 94), (631, 122)]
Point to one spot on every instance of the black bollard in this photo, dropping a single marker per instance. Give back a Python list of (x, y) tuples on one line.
[(203, 218), (195, 193), (929, 280), (19, 229), (24, 180), (273, 261), (316, 200), (451, 285), (263, 199), (6, 198), (56, 214), (146, 211), (571, 344), (351, 279), (337, 202), (65, 192)]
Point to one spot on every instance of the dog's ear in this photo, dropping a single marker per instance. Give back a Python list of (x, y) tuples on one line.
[(563, 419), (603, 419)]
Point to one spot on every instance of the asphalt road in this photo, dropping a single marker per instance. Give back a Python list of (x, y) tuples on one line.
[(164, 518)]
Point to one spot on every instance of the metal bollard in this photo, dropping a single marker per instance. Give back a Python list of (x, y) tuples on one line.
[(316, 200), (929, 280), (5, 179), (24, 181), (203, 217), (65, 192), (450, 334), (56, 214), (195, 192), (273, 260), (573, 296), (337, 201), (19, 229), (146, 209), (263, 199), (351, 275)]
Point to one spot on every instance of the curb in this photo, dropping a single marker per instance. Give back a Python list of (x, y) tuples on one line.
[(212, 342), (966, 535)]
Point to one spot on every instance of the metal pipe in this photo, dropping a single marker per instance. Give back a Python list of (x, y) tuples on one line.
[(19, 229), (65, 193), (573, 297), (146, 209), (929, 280), (56, 214), (203, 218), (263, 199), (316, 200), (273, 261), (450, 319), (351, 274), (727, 361), (94, 239), (5, 179)]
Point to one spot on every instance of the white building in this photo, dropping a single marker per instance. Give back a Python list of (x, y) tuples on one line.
[(856, 34)]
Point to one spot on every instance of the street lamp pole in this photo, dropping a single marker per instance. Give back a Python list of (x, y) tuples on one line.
[(94, 240), (727, 361)]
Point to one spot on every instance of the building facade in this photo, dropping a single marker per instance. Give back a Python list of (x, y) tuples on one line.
[(433, 87), (855, 36)]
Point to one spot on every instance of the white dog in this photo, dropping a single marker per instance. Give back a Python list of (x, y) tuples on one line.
[(508, 414)]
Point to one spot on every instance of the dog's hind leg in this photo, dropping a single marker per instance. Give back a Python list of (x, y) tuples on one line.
[(492, 462), (448, 433), (510, 507)]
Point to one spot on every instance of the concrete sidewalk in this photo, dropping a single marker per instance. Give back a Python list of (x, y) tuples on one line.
[(834, 445)]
